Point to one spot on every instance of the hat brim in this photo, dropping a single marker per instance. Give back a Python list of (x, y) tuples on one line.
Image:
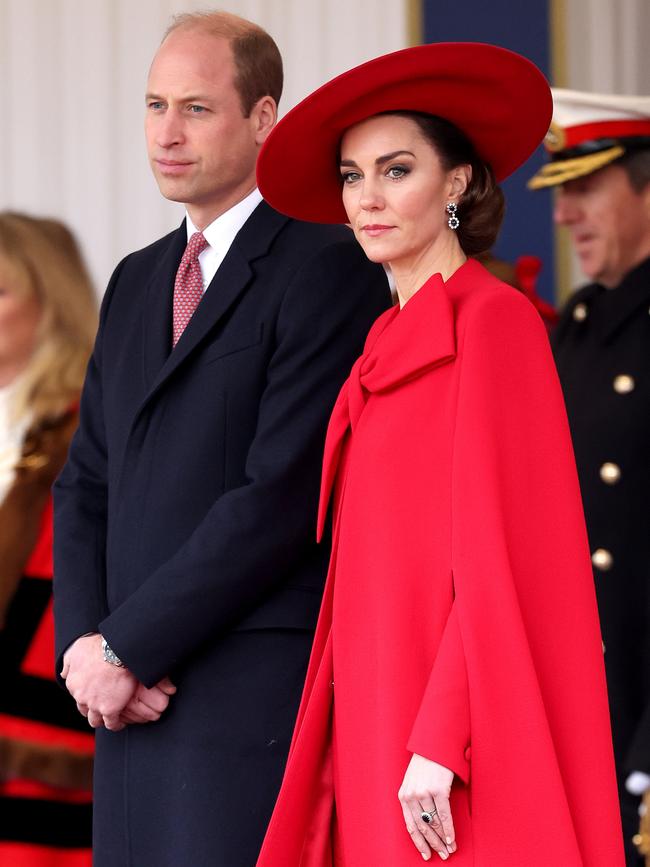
[(499, 99)]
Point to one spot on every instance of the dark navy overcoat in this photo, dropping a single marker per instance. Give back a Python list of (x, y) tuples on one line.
[(185, 525)]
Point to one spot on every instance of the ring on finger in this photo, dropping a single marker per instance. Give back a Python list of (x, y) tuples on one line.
[(427, 816)]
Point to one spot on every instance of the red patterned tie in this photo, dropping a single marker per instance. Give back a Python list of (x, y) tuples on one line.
[(188, 287)]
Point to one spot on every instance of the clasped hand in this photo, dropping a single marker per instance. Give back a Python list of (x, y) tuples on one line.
[(108, 695), (426, 789)]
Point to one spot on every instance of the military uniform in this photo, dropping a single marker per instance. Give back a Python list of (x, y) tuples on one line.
[(602, 350)]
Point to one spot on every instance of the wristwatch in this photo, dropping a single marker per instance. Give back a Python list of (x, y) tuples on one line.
[(110, 656)]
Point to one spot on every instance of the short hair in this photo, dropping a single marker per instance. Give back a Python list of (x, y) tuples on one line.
[(482, 206), (258, 63), (44, 260), (636, 165)]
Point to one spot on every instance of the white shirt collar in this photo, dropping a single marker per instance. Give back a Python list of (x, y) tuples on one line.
[(221, 233)]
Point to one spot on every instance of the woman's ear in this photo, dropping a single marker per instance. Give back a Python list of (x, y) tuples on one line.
[(459, 178)]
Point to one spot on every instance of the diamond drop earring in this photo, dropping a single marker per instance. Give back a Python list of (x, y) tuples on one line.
[(453, 222)]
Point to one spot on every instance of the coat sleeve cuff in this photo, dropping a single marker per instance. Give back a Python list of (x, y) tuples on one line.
[(442, 738)]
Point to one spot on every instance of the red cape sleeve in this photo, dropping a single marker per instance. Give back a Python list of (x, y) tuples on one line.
[(441, 731), (541, 744)]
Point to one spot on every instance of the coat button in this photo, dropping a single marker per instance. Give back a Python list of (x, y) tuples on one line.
[(610, 473), (602, 559), (624, 384), (580, 312)]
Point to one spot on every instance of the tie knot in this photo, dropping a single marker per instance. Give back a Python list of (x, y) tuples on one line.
[(195, 246)]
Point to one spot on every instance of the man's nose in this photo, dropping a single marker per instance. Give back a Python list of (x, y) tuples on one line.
[(565, 209), (170, 129)]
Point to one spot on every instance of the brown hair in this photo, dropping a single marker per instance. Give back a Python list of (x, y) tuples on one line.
[(481, 207), (48, 265), (636, 164), (258, 62)]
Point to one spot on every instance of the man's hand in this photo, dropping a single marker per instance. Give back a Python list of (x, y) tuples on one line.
[(147, 705), (425, 790), (101, 690)]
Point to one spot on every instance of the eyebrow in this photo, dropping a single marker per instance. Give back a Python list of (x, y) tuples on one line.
[(380, 160), (197, 98)]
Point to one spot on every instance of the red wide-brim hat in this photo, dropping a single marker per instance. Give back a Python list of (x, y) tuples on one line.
[(499, 99)]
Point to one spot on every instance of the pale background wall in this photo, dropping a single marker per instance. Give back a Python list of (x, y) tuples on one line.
[(607, 45), (602, 46), (72, 80)]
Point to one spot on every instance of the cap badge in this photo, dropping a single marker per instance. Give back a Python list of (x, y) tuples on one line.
[(555, 138)]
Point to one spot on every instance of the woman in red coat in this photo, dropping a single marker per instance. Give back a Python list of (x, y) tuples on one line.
[(455, 703)]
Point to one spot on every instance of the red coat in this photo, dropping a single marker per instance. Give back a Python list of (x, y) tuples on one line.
[(459, 618)]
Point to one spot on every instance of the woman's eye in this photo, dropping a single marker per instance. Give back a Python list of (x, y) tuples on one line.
[(396, 172), (350, 177)]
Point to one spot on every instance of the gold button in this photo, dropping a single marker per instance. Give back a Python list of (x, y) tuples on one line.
[(610, 473), (602, 559), (580, 312), (624, 384)]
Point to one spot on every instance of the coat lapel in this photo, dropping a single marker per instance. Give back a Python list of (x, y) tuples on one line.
[(158, 306), (231, 280)]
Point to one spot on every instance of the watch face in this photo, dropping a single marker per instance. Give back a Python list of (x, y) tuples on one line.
[(110, 655)]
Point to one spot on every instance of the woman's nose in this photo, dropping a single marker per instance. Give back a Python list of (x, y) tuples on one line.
[(371, 198)]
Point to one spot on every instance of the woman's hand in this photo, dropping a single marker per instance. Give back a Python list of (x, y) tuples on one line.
[(425, 789)]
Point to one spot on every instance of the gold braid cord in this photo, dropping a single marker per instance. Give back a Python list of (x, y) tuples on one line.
[(560, 171), (642, 839)]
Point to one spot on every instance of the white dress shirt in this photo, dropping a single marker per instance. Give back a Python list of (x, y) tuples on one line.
[(221, 233)]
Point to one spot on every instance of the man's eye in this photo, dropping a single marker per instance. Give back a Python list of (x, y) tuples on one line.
[(155, 106), (196, 109), (350, 177)]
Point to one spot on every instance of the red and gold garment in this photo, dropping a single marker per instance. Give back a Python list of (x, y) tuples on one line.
[(45, 745)]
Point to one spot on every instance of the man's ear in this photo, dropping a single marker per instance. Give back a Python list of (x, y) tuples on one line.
[(264, 116)]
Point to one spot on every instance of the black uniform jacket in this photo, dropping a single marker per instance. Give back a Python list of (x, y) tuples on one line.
[(602, 350), (185, 524)]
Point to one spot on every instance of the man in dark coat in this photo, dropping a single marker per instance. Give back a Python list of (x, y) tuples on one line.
[(185, 555), (600, 148)]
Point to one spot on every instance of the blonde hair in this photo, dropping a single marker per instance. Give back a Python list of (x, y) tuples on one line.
[(258, 63), (48, 263)]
